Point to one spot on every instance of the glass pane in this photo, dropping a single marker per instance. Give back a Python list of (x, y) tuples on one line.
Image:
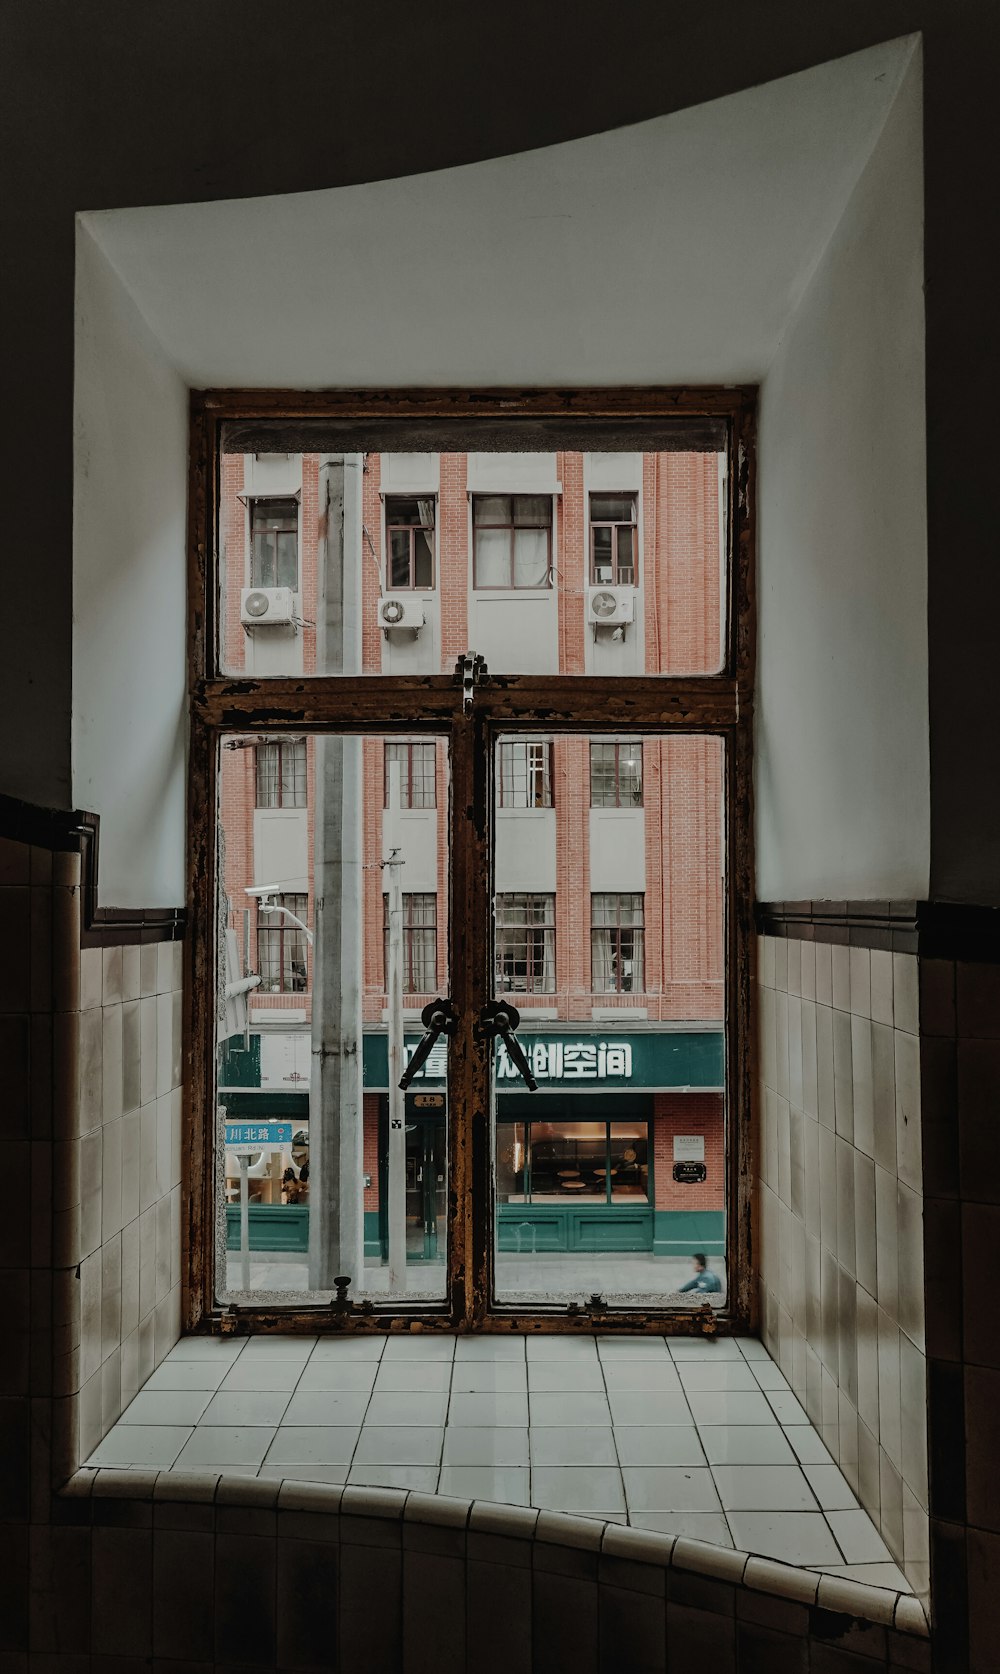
[(644, 530), (609, 936), (333, 920)]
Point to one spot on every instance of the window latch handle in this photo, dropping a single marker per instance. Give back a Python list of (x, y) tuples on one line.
[(501, 1018), (438, 1018)]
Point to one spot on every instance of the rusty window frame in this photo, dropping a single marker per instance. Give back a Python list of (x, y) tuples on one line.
[(474, 714)]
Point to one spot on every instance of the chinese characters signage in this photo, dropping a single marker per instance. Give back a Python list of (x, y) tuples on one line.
[(570, 1060), (257, 1136), (686, 1059)]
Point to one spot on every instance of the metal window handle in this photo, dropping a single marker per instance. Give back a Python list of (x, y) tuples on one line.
[(502, 1019), (438, 1018)]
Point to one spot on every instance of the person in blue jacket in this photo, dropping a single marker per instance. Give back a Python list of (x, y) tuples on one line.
[(704, 1278)]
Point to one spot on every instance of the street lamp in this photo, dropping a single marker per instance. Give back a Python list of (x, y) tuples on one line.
[(267, 902)]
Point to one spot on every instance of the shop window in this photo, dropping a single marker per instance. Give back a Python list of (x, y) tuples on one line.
[(282, 948), (616, 774), (281, 774), (580, 1162), (525, 773), (617, 937), (419, 943), (409, 538), (526, 944), (512, 540), (417, 775), (613, 540), (274, 543)]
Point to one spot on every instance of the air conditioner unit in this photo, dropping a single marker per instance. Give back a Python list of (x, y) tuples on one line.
[(610, 607), (398, 612), (267, 607)]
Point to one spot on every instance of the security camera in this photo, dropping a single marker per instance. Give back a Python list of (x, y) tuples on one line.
[(263, 889)]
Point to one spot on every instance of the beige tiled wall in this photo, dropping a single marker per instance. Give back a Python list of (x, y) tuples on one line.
[(841, 1216)]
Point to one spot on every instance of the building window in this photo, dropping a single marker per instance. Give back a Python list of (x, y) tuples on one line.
[(616, 774), (512, 540), (409, 538), (419, 943), (525, 773), (274, 543), (417, 774), (588, 1162), (282, 957), (616, 944), (526, 944), (281, 774), (612, 540)]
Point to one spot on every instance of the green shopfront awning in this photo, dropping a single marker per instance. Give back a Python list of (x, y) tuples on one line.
[(582, 1061)]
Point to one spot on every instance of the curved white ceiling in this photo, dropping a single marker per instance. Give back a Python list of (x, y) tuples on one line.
[(671, 251)]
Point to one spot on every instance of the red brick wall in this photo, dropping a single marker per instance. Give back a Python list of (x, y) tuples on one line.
[(689, 1113)]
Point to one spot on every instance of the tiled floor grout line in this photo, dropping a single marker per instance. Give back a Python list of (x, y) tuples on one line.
[(614, 1435)]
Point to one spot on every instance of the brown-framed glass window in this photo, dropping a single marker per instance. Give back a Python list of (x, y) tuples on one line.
[(613, 540), (281, 773), (512, 540), (525, 773), (419, 943), (274, 543), (616, 773), (526, 944), (409, 540), (617, 938), (282, 947), (417, 774)]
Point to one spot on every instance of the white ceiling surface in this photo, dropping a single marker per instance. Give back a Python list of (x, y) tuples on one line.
[(671, 251)]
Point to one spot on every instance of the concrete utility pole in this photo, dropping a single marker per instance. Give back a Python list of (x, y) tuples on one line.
[(392, 867), (336, 1189)]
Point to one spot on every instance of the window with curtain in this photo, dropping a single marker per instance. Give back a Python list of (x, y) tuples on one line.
[(281, 774), (419, 943), (526, 944), (512, 540), (613, 540), (616, 943), (525, 773), (417, 787), (409, 539), (616, 773), (274, 543), (282, 949)]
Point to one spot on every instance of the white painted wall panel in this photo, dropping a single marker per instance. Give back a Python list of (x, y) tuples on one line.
[(526, 849), (618, 849), (281, 848), (418, 840), (517, 633)]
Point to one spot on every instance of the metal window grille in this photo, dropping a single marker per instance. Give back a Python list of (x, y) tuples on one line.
[(617, 938), (525, 776), (419, 943), (616, 773), (409, 539), (417, 774), (274, 543), (512, 540), (613, 540), (282, 950), (526, 944), (281, 774)]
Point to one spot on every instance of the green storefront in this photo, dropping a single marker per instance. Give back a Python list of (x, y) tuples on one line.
[(575, 1162)]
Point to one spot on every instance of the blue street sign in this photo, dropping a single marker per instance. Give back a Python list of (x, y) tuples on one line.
[(257, 1136)]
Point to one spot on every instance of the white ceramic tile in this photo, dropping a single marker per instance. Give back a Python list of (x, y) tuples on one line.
[(658, 1444), (330, 1406), (763, 1488), (264, 1374), (485, 1377), (648, 1407), (348, 1348), (830, 1488), (216, 1445), (697, 1375), (421, 1479), (489, 1348), (564, 1409), (169, 1406), (577, 1488), (858, 1538), (655, 1488), (427, 1407), (425, 1345), (731, 1406), (410, 1444), (635, 1375), (281, 1348), (632, 1348), (872, 1575), (350, 1376), (312, 1444), (186, 1374), (746, 1444), (560, 1348), (507, 1485), (580, 1444), (767, 1375), (787, 1409), (807, 1445), (206, 1348), (411, 1377), (240, 1407), (305, 1473), (141, 1446), (487, 1408), (701, 1348), (494, 1447), (751, 1348), (565, 1376), (691, 1525), (793, 1537)]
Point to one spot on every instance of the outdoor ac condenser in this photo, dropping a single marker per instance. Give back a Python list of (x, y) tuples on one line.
[(267, 607)]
